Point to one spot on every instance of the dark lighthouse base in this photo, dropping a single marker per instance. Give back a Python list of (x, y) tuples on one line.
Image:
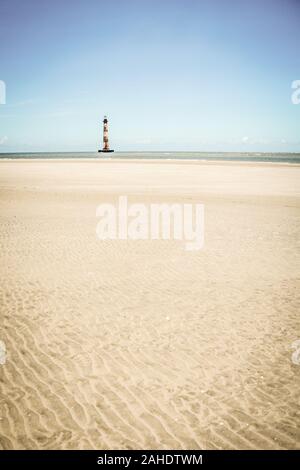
[(105, 151)]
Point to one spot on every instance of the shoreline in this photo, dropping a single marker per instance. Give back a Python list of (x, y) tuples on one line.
[(153, 160)]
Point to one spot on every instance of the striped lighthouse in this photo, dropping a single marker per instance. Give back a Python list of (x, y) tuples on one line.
[(105, 137)]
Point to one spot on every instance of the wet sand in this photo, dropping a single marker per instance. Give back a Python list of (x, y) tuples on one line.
[(123, 344)]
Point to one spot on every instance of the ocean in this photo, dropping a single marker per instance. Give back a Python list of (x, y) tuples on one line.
[(293, 158)]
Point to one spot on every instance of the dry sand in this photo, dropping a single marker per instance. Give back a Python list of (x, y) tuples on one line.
[(141, 344)]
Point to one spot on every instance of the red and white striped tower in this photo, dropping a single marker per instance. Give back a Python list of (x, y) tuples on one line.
[(105, 136)]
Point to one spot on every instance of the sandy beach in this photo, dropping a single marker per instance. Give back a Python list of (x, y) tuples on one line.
[(123, 344)]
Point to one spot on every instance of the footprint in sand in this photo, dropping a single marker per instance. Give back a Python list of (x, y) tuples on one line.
[(296, 353), (2, 353)]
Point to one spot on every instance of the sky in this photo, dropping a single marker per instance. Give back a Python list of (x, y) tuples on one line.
[(185, 75)]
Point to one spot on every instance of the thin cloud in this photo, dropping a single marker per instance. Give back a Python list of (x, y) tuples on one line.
[(3, 140), (21, 104)]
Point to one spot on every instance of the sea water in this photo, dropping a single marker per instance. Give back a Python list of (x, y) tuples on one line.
[(201, 156)]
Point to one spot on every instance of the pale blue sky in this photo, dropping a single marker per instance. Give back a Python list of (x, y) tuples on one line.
[(170, 74)]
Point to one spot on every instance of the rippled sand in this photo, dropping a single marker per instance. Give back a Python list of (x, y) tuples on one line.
[(123, 344)]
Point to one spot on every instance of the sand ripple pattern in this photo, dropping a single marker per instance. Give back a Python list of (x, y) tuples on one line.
[(124, 345)]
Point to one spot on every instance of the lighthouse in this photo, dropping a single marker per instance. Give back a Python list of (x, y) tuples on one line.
[(105, 137)]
